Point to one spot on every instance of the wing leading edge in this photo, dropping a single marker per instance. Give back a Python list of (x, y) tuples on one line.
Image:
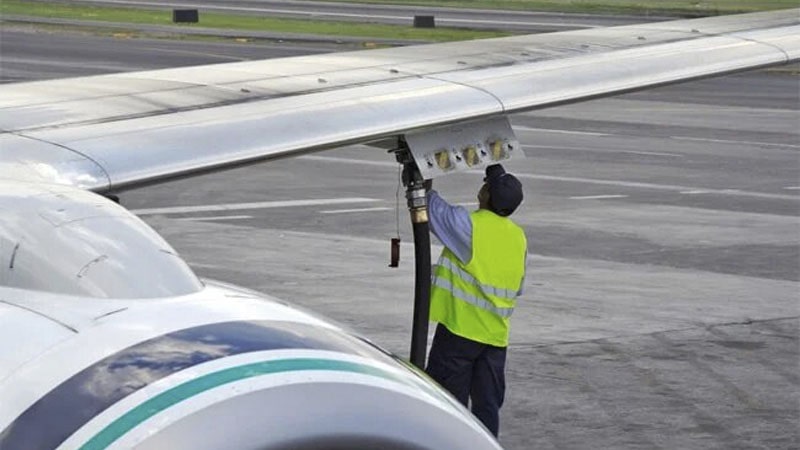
[(113, 132)]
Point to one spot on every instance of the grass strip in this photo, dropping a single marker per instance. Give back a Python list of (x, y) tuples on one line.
[(234, 22)]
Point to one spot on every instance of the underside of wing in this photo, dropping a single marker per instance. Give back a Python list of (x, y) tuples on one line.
[(112, 132)]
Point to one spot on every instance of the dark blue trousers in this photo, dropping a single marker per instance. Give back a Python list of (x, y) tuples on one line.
[(470, 370)]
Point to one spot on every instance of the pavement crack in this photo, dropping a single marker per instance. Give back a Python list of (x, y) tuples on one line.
[(653, 333)]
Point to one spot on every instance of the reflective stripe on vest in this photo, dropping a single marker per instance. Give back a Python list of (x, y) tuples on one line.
[(487, 289), (471, 299)]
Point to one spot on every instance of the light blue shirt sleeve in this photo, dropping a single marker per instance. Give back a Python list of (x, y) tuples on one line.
[(451, 225)]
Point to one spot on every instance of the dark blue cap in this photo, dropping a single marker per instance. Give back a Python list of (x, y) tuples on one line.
[(505, 190)]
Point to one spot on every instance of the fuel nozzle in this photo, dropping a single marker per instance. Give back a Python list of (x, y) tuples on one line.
[(415, 187)]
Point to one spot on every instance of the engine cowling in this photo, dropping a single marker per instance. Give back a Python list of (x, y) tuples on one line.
[(92, 360)]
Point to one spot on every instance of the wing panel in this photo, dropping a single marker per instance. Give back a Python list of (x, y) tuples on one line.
[(786, 39), (539, 85), (155, 148), (104, 108), (35, 160)]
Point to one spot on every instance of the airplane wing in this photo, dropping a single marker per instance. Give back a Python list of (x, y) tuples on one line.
[(111, 132)]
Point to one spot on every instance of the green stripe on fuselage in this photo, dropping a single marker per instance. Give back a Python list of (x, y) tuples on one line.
[(184, 391)]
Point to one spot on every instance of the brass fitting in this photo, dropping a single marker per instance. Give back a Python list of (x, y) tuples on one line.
[(419, 215)]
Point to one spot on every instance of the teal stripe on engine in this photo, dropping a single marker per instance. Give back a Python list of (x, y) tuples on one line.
[(191, 388)]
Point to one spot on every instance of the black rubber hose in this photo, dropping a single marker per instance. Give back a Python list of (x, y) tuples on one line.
[(422, 293)]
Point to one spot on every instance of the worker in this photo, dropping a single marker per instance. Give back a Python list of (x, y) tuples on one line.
[(479, 275)]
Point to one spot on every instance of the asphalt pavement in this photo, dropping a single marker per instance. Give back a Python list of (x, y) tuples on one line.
[(31, 53), (661, 307)]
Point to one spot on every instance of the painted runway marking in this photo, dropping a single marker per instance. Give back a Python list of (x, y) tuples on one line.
[(559, 147), (618, 183), (255, 205), (214, 218), (726, 141), (680, 138), (660, 187), (695, 192), (559, 131), (344, 211), (202, 54), (670, 155), (602, 150), (362, 162), (792, 188), (598, 197)]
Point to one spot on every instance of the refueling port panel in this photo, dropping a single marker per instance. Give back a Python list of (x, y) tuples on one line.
[(457, 148)]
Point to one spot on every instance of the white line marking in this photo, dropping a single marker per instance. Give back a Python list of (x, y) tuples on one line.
[(598, 197), (202, 54), (362, 162), (671, 155), (557, 147), (554, 130), (255, 205), (725, 141), (214, 218), (343, 211), (680, 138), (792, 188), (601, 150), (628, 184), (695, 192), (661, 187)]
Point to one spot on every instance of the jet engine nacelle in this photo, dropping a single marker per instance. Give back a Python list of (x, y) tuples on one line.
[(92, 366)]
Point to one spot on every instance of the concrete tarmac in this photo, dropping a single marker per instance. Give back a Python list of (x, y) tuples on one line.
[(32, 53), (661, 307)]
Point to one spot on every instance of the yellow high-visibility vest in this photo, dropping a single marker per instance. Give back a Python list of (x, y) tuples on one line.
[(476, 300)]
